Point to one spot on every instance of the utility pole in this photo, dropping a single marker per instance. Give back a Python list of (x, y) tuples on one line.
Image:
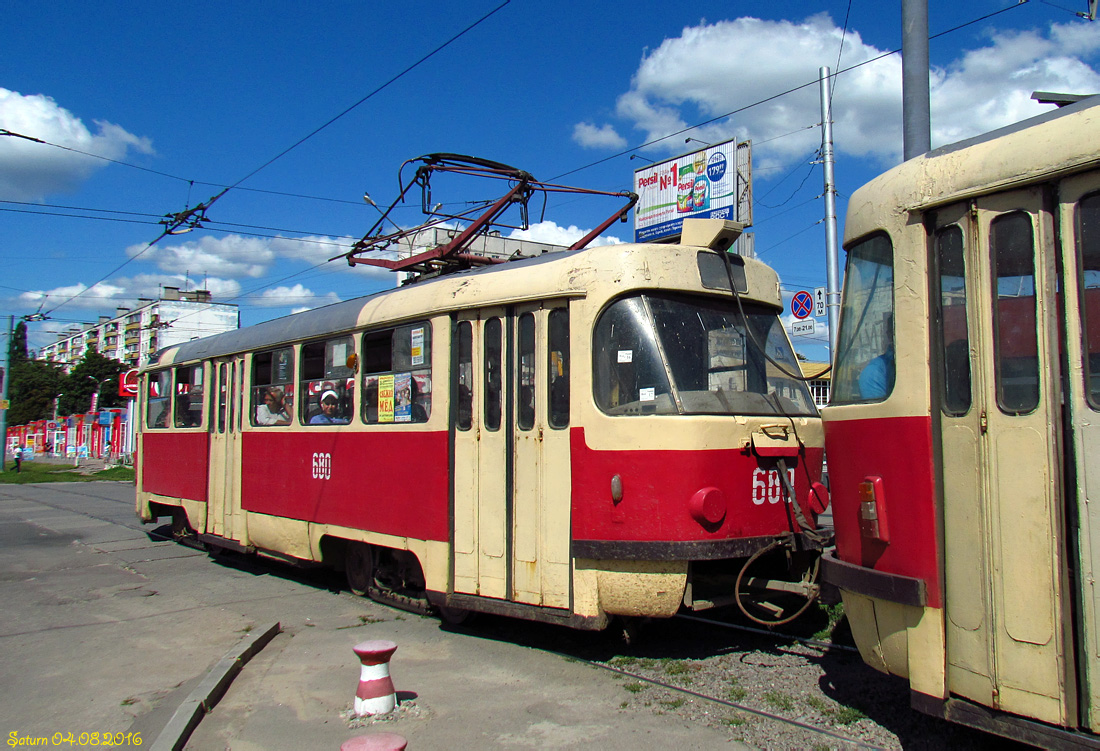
[(4, 393), (832, 250), (916, 118)]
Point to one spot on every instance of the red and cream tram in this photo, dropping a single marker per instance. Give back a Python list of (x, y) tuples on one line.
[(964, 452), (583, 434)]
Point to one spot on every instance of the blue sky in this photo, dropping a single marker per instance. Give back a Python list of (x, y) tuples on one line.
[(189, 100)]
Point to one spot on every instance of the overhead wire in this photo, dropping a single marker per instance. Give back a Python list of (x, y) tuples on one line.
[(194, 217)]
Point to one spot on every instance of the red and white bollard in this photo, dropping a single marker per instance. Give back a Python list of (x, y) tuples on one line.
[(375, 694)]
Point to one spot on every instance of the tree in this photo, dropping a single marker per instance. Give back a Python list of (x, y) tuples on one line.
[(33, 386), (17, 347), (93, 373)]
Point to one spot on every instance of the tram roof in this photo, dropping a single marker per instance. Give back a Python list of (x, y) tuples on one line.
[(553, 275), (1058, 142)]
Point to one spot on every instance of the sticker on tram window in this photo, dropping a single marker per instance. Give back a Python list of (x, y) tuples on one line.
[(322, 466), (416, 348), (626, 355), (766, 486), (648, 394), (385, 398)]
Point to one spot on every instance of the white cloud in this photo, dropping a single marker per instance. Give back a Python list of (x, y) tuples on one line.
[(295, 296), (230, 256), (105, 296), (591, 137), (31, 171), (695, 77), (551, 232)]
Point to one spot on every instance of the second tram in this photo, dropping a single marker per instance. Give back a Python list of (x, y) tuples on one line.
[(964, 452)]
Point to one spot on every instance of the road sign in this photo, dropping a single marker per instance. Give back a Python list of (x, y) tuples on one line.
[(801, 328), (802, 304), (819, 301)]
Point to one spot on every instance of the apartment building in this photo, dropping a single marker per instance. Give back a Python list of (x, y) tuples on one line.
[(134, 334)]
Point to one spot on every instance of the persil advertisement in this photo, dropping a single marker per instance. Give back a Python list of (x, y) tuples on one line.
[(700, 185)]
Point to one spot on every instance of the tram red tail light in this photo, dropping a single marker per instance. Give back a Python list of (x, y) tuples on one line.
[(872, 509)]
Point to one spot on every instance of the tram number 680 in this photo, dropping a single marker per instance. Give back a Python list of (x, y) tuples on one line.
[(767, 487), (322, 466)]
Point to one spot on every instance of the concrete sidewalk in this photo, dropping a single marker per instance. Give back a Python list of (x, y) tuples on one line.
[(455, 691)]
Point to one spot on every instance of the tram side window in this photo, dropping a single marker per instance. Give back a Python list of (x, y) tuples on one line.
[(273, 387), (158, 407), (189, 393), (397, 374), (464, 376), (1016, 363), (558, 365), (327, 387), (954, 335), (865, 368), (1088, 252)]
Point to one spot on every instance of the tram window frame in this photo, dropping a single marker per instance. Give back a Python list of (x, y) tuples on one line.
[(1088, 260), (868, 334), (1017, 379), (188, 392), (326, 365), (158, 392), (493, 364), (557, 367), (272, 370), (397, 374), (956, 395), (464, 375)]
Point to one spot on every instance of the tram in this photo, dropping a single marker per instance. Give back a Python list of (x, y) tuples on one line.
[(585, 434), (962, 433)]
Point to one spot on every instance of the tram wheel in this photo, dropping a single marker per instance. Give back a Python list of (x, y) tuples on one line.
[(359, 567), (181, 528), (455, 616)]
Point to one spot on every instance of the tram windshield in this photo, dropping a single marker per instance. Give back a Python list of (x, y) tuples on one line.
[(668, 355)]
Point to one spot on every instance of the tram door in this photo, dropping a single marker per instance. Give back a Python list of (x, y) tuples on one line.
[(999, 405), (1080, 210), (511, 474), (225, 450)]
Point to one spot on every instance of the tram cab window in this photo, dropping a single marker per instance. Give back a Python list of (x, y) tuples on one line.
[(158, 407), (189, 395), (273, 387), (667, 355), (397, 374), (1088, 253), (326, 390), (865, 364)]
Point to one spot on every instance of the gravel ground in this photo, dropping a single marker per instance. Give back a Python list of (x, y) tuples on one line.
[(823, 687)]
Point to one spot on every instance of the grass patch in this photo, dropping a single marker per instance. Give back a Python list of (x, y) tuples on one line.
[(128, 701), (635, 687), (672, 703), (833, 615), (679, 667), (36, 471), (779, 700), (733, 722), (736, 693), (847, 715)]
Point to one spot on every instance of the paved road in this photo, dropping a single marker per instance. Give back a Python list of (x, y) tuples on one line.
[(106, 629)]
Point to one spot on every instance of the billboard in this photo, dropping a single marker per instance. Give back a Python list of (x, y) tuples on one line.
[(712, 183)]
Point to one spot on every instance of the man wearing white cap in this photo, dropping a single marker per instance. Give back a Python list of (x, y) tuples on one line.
[(329, 402)]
